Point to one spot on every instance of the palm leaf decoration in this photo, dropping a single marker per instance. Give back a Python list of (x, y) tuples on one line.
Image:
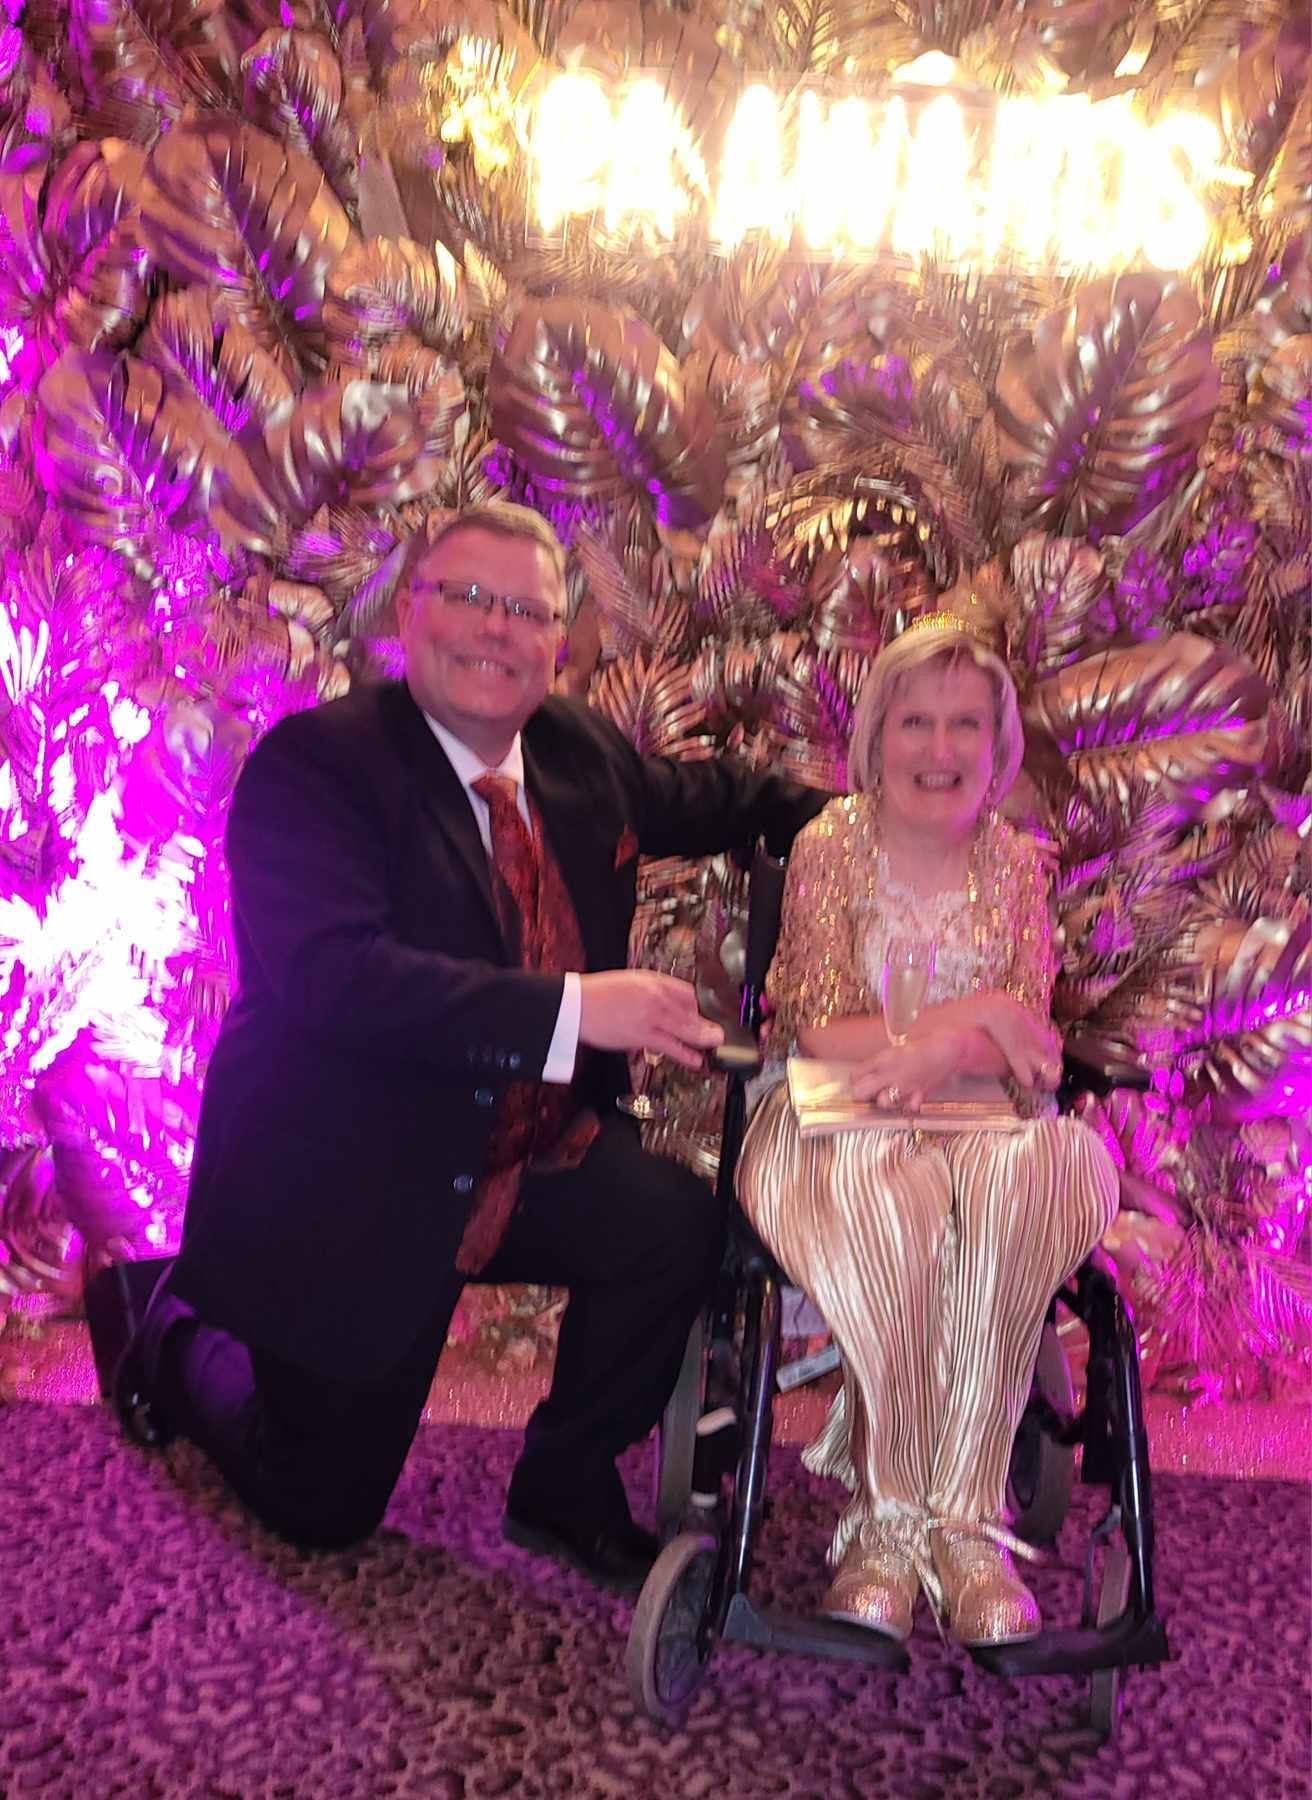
[(1231, 1008), (639, 605), (811, 699), (742, 590), (53, 667), (861, 597), (144, 62), (1057, 582), (649, 697), (822, 508), (858, 408), (1121, 893), (830, 37)]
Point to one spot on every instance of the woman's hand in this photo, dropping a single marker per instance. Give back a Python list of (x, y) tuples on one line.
[(902, 1076), (1032, 1050)]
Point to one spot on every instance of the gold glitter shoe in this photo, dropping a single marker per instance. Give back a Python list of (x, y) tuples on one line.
[(985, 1600), (875, 1587)]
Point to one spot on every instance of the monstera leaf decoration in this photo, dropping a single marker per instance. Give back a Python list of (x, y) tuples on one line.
[(590, 401), (1102, 406), (253, 222), (130, 453), (357, 440), (71, 270), (1178, 713), (294, 90), (390, 288)]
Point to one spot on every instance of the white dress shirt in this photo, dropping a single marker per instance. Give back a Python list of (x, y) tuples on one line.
[(562, 1052)]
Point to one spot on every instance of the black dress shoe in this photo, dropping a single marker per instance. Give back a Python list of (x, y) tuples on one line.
[(140, 1417), (119, 1303), (616, 1556)]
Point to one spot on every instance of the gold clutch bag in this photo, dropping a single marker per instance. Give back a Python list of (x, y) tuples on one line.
[(822, 1103)]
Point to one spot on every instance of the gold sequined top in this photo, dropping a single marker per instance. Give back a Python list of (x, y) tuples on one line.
[(996, 934)]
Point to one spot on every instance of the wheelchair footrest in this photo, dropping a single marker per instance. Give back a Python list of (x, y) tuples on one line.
[(814, 1636), (1126, 1642)]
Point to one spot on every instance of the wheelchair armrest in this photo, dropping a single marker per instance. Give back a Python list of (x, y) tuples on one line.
[(1079, 1077)]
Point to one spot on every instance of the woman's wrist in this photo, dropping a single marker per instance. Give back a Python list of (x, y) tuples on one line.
[(976, 1050)]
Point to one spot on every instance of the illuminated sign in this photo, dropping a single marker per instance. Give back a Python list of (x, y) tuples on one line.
[(1055, 183)]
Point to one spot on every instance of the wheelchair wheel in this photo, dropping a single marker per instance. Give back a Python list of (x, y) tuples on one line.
[(1042, 1472), (1113, 1598), (668, 1646)]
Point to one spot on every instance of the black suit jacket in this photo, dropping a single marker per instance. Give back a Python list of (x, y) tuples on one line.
[(380, 1012)]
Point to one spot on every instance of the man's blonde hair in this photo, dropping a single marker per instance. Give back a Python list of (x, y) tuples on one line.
[(893, 667), (499, 518)]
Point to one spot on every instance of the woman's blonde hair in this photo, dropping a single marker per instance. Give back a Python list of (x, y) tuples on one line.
[(916, 649)]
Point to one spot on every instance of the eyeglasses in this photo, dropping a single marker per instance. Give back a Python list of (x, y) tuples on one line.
[(525, 615)]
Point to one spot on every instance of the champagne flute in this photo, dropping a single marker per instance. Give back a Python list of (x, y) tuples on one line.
[(904, 978), (639, 1104)]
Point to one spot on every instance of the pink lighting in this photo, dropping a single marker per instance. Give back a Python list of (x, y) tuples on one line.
[(235, 373)]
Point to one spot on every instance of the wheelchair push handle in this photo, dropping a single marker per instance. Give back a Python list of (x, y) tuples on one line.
[(765, 905), (740, 1053)]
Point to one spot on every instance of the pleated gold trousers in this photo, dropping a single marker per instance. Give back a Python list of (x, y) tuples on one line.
[(933, 1263)]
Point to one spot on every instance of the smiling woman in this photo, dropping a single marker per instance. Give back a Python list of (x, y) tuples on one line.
[(932, 1258)]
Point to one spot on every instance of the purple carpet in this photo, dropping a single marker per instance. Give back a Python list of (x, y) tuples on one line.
[(155, 1643)]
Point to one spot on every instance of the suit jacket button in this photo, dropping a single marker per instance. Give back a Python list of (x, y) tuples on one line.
[(514, 1060), (483, 1096), (463, 1184)]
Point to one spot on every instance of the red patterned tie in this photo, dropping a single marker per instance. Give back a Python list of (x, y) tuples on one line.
[(533, 1121), (514, 855)]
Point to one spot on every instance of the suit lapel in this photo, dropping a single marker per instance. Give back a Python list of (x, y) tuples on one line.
[(444, 800)]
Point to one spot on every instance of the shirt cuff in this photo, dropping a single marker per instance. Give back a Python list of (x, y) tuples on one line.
[(562, 1052)]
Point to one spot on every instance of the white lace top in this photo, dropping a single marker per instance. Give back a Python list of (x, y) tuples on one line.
[(945, 919)]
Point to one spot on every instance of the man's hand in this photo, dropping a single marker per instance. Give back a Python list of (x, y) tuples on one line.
[(636, 1009)]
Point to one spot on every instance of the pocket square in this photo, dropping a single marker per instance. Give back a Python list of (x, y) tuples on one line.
[(627, 848)]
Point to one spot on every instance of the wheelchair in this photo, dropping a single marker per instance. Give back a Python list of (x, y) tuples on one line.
[(715, 1441)]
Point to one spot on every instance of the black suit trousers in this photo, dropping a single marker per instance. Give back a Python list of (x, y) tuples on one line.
[(637, 1241)]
